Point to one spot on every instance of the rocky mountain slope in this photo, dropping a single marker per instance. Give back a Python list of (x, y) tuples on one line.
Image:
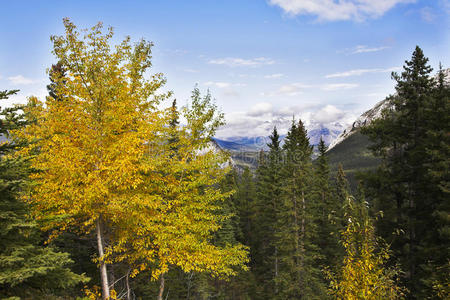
[(370, 115), (351, 147)]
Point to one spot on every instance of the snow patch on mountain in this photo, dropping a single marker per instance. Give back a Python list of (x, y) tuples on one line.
[(328, 132), (363, 120), (373, 114)]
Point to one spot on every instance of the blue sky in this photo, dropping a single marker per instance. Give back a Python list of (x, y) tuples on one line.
[(324, 61)]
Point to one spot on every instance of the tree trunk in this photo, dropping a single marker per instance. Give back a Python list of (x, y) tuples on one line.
[(103, 271), (161, 288), (127, 282)]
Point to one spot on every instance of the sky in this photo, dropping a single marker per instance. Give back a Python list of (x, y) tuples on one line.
[(264, 61)]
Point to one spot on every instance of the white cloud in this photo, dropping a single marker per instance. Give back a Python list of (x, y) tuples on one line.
[(229, 93), (222, 85), (22, 97), (260, 119), (241, 62), (331, 10), (445, 4), (359, 72), (292, 89), (261, 108), (338, 86), (20, 80), (273, 76), (327, 114), (190, 70), (295, 89), (427, 14), (366, 49)]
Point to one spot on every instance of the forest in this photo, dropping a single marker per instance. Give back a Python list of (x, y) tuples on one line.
[(109, 190)]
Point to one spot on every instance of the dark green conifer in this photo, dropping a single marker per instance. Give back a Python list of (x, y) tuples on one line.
[(27, 269), (56, 75), (264, 254), (296, 237), (410, 186), (329, 209)]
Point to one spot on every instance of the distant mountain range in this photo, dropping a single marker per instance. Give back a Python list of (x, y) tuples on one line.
[(345, 146), (257, 143)]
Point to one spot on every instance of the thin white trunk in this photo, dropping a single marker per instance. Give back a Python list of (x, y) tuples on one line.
[(128, 285), (103, 271), (161, 288)]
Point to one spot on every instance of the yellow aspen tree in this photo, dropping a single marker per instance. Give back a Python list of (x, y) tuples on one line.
[(176, 226), (364, 274), (103, 161)]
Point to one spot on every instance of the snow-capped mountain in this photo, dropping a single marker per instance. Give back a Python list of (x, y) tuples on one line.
[(363, 120), (328, 132), (373, 114)]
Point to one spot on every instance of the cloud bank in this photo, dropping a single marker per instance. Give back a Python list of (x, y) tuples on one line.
[(241, 62), (20, 80), (331, 10), (260, 119), (359, 72)]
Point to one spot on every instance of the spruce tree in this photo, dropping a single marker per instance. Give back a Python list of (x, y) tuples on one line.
[(245, 203), (27, 269), (296, 237), (57, 73), (410, 185), (435, 243), (264, 254), (329, 211)]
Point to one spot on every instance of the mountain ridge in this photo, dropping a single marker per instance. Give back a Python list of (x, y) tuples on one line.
[(374, 113)]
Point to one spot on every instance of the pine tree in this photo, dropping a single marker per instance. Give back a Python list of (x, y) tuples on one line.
[(27, 269), (329, 219), (296, 236), (435, 244), (408, 137), (264, 254), (57, 74), (245, 203)]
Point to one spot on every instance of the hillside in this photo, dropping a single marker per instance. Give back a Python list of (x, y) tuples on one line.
[(354, 156), (350, 147)]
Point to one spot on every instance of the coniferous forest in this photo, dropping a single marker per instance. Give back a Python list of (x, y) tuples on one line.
[(110, 190)]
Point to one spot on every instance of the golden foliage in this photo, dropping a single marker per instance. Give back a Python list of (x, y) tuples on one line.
[(363, 274), (101, 150)]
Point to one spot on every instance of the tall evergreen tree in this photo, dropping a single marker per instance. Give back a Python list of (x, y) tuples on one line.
[(27, 269), (296, 236), (435, 246), (245, 203), (412, 138), (264, 254), (56, 74), (329, 218)]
